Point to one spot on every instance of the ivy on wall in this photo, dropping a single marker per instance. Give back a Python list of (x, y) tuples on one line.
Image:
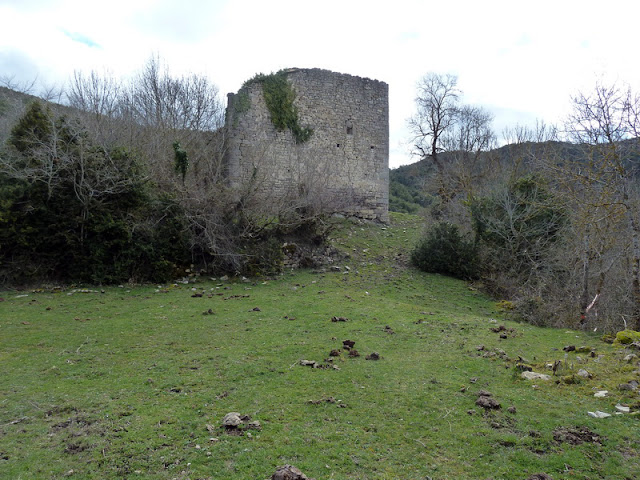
[(279, 96)]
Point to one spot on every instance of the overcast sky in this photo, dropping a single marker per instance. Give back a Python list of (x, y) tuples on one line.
[(520, 59)]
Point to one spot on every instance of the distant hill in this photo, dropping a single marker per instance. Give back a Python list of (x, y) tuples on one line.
[(409, 184), (12, 106)]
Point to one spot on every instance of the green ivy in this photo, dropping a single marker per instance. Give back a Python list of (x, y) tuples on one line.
[(279, 97), (242, 102), (181, 163)]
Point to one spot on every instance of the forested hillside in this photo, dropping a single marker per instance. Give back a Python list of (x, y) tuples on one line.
[(548, 222)]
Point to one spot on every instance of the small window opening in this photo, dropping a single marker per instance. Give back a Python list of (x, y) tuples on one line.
[(373, 147), (338, 145), (349, 125)]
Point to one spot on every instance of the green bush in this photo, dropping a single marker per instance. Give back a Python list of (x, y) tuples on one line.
[(518, 224), (72, 211), (264, 257), (444, 250), (627, 337)]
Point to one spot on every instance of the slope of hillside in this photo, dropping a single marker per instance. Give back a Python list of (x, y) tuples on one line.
[(12, 106), (134, 381), (409, 184)]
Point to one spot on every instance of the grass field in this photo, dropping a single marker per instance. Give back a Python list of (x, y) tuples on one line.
[(134, 381)]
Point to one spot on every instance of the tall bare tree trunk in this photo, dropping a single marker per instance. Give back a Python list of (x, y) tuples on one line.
[(635, 270), (584, 296)]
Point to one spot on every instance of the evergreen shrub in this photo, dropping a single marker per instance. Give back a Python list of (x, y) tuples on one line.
[(445, 250)]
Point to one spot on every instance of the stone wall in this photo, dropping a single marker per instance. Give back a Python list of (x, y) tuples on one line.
[(344, 166)]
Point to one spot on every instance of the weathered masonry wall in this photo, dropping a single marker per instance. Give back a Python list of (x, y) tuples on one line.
[(345, 163)]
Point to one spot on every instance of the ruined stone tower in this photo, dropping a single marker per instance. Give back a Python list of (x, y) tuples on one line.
[(343, 165)]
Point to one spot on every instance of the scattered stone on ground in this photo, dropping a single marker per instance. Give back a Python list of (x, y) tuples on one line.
[(599, 414), (601, 393), (535, 376), (576, 435), (255, 309), (512, 410), (339, 319), (569, 348), (231, 420), (354, 353), (208, 312), (583, 373), (486, 401), (289, 472), (503, 331), (498, 352), (630, 358), (254, 425), (348, 344), (236, 423), (623, 409), (335, 353), (630, 386), (373, 356), (314, 364), (389, 330)]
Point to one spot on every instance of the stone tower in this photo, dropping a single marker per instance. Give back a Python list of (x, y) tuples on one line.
[(343, 165)]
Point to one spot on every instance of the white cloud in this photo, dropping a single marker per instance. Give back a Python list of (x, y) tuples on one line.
[(521, 60)]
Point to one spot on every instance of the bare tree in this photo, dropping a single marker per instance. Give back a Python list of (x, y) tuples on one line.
[(605, 123), (443, 124), (26, 87), (468, 141), (437, 104)]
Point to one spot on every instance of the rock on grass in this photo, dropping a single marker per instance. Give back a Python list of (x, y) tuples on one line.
[(289, 472)]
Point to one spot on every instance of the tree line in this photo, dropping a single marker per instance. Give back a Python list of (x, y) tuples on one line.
[(550, 221), (127, 182)]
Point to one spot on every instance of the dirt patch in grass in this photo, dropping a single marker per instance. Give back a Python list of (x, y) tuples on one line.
[(75, 448), (77, 422), (78, 433), (576, 435)]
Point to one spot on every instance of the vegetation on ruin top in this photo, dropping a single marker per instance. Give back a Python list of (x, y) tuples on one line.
[(279, 97)]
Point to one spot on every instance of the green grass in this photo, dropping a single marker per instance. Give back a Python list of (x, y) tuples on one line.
[(123, 384)]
